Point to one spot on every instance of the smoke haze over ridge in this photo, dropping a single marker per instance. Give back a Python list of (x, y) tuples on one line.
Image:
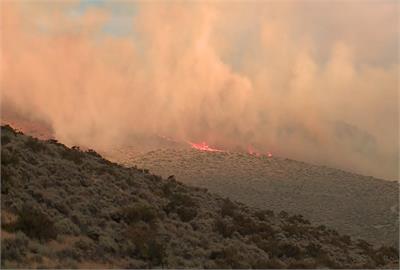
[(310, 80)]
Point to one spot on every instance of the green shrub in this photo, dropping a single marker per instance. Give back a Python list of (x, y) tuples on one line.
[(35, 224)]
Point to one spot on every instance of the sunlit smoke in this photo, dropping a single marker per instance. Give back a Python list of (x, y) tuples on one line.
[(310, 80)]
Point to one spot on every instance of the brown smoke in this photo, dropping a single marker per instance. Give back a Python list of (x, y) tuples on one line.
[(312, 81)]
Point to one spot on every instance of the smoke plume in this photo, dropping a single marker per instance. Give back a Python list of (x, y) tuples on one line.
[(314, 81)]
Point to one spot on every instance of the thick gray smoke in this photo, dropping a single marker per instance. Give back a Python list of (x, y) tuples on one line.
[(310, 80)]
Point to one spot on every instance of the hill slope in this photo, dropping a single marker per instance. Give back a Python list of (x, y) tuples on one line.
[(357, 205), (63, 207)]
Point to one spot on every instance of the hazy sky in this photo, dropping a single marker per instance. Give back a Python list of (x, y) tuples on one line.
[(311, 80)]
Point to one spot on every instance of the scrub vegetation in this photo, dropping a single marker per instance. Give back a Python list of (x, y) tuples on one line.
[(68, 208)]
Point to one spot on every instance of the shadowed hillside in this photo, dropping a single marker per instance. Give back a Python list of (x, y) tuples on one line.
[(357, 205), (66, 208)]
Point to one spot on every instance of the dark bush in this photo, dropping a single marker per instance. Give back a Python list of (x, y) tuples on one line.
[(345, 239), (263, 214), (94, 153), (287, 250), (275, 249), (157, 253), (74, 154), (228, 208), (139, 212), (69, 253), (8, 158), (325, 261), (244, 225), (35, 145), (6, 180), (147, 246), (314, 250), (301, 265), (179, 200), (55, 142), (364, 245), (283, 214), (228, 257), (186, 214), (383, 254), (294, 230), (14, 249), (272, 263), (5, 140), (298, 219), (223, 228), (389, 252), (265, 230), (167, 188), (35, 224), (8, 128)]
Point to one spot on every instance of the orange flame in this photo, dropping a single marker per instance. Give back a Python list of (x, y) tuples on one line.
[(204, 147)]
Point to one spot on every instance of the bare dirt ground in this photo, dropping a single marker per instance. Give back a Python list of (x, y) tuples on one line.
[(360, 206)]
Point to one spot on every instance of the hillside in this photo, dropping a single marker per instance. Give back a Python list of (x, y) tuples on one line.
[(64, 208), (361, 206)]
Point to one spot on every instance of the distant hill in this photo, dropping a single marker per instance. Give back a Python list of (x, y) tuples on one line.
[(361, 206), (64, 208)]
